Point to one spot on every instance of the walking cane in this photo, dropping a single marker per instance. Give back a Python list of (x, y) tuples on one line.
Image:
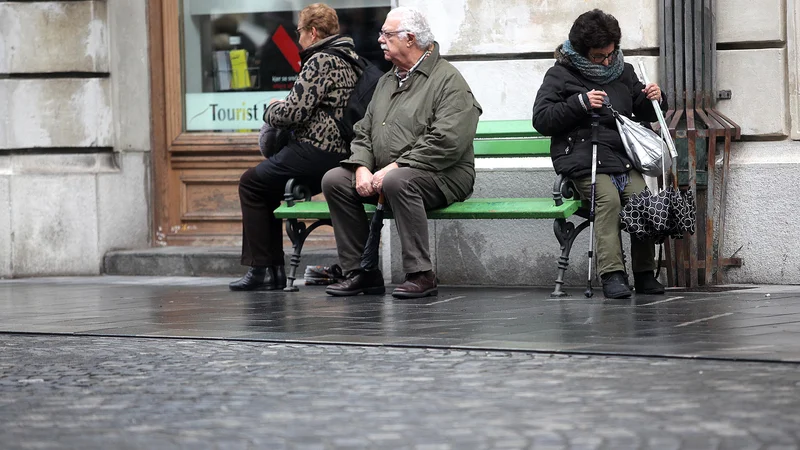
[(595, 123)]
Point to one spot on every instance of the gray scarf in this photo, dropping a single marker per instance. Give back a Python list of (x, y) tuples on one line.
[(597, 73)]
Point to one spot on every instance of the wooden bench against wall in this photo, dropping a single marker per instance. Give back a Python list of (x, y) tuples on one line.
[(494, 139)]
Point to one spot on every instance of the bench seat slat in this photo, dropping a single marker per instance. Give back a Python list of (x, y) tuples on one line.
[(503, 148), (474, 208)]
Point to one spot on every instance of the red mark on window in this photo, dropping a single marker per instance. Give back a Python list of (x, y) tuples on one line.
[(287, 46)]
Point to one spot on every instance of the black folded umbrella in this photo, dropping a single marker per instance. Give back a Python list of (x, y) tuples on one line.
[(668, 213), (369, 259)]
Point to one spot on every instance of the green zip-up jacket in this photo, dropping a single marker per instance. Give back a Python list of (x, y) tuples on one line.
[(427, 123)]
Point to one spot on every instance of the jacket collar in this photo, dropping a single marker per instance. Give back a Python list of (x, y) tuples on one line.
[(561, 57), (429, 63), (426, 66), (337, 40)]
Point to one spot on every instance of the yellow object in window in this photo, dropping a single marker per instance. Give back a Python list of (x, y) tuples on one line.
[(240, 76)]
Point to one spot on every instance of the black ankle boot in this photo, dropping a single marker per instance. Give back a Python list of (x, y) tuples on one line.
[(647, 283), (251, 281), (268, 278), (276, 277), (614, 285)]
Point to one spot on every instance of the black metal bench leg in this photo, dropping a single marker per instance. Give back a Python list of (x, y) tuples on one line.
[(298, 233), (566, 232)]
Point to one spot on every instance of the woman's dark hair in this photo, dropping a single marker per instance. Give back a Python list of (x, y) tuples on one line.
[(594, 29)]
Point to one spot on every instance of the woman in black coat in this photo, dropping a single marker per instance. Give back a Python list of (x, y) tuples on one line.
[(589, 71)]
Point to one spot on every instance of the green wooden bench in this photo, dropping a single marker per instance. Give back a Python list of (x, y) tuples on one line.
[(494, 139)]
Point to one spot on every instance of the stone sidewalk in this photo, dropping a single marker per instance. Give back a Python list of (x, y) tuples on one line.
[(119, 362), (746, 323)]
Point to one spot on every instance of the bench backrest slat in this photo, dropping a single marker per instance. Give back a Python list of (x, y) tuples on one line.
[(491, 129), (505, 148)]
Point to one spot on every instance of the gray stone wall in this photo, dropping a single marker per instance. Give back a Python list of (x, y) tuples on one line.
[(763, 193), (74, 136), (761, 70), (793, 65)]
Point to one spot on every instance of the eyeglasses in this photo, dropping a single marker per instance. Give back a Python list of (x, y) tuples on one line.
[(599, 58), (298, 30), (389, 34)]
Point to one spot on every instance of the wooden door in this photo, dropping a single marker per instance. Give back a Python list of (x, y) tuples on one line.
[(195, 174)]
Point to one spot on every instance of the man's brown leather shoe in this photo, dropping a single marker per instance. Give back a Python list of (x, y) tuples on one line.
[(419, 284), (358, 282)]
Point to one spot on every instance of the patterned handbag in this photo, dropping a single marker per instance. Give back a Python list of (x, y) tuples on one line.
[(669, 213)]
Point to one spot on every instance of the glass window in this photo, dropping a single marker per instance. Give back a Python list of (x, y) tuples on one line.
[(240, 54)]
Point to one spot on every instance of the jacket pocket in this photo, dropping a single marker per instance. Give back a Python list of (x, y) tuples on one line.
[(573, 137)]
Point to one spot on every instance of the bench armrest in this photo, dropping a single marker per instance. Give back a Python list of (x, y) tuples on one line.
[(563, 189), (296, 191)]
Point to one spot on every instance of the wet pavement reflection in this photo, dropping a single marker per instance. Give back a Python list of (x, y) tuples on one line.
[(735, 324)]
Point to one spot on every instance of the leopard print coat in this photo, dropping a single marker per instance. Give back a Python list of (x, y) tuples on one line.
[(323, 86)]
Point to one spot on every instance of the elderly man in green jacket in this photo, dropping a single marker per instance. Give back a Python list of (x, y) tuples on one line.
[(414, 145)]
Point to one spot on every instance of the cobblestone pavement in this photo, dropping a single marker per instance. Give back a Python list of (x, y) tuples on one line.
[(101, 393)]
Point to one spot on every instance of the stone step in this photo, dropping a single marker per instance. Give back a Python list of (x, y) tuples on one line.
[(197, 261), (488, 251)]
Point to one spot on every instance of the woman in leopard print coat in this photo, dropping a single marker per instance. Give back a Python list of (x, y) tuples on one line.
[(315, 146)]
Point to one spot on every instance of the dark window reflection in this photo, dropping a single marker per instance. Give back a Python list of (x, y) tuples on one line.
[(270, 40)]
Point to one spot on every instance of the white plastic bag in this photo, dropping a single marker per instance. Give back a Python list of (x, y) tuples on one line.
[(645, 148)]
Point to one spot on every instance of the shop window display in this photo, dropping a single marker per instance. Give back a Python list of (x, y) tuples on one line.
[(238, 55)]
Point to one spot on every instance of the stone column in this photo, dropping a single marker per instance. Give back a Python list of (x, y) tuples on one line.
[(68, 189), (793, 46)]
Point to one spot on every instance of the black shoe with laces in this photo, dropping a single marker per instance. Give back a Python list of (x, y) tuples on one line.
[(646, 283), (614, 285)]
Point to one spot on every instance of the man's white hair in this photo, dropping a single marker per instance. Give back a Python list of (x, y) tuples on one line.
[(412, 21)]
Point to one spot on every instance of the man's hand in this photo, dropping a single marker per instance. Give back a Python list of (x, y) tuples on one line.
[(377, 179), (364, 182)]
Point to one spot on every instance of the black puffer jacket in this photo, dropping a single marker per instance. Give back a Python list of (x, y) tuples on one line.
[(558, 112)]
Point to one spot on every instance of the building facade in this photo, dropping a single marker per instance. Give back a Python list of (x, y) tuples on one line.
[(128, 123)]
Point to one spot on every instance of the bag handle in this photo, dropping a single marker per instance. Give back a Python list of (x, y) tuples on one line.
[(665, 134)]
